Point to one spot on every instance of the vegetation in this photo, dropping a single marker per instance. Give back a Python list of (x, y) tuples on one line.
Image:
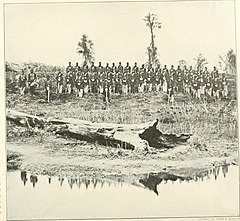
[(153, 23), (228, 62), (85, 48)]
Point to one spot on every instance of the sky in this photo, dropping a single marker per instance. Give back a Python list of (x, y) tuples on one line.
[(49, 33)]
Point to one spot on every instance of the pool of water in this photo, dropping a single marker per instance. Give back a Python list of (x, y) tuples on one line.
[(209, 193)]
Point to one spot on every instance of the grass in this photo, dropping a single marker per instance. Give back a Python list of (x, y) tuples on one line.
[(207, 121)]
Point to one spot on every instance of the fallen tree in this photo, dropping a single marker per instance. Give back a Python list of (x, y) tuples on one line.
[(127, 136)]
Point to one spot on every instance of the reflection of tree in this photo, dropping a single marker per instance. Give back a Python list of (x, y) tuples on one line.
[(33, 180), (225, 170), (24, 177), (154, 179)]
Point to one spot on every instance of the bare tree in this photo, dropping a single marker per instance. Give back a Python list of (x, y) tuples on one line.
[(228, 62), (201, 62), (152, 22), (85, 48)]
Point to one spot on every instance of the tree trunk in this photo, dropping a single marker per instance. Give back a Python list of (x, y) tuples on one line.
[(127, 136)]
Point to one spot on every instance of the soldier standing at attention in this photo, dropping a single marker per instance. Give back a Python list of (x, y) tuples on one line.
[(59, 82), (120, 68), (48, 87), (69, 67), (32, 81), (22, 83)]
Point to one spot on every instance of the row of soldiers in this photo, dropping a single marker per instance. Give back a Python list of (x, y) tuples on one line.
[(119, 79), (124, 80)]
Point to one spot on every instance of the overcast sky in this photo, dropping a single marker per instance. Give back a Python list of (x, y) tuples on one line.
[(49, 32)]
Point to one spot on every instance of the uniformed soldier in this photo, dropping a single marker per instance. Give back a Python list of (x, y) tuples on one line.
[(216, 88), (107, 69), (171, 86), (32, 82), (125, 83), (69, 67), (120, 68), (142, 80), (149, 78), (59, 79), (79, 86), (214, 73), (224, 86), (106, 90), (92, 68), (157, 79), (165, 76), (195, 86), (127, 69), (208, 85), (179, 80), (48, 87), (135, 68), (114, 68), (22, 83), (69, 82)]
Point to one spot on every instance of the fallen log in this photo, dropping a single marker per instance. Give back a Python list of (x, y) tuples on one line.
[(127, 136)]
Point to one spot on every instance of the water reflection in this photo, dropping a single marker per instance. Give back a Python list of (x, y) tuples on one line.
[(152, 180), (149, 181)]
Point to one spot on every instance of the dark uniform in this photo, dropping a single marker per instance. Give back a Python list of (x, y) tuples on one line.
[(22, 83), (59, 79), (48, 87), (32, 82)]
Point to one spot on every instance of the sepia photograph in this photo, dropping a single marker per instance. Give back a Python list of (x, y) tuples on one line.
[(121, 110)]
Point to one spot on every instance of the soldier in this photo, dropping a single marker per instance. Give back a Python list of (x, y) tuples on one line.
[(224, 86), (120, 68), (48, 87), (100, 71), (107, 69), (106, 90), (208, 85), (69, 67), (22, 81), (171, 86), (141, 79), (117, 82), (69, 82), (179, 80), (86, 81), (59, 79), (216, 88), (165, 76), (214, 73), (127, 69), (195, 86), (79, 86), (114, 68), (32, 82), (93, 82), (92, 68), (135, 68), (125, 83), (149, 78), (134, 81), (157, 79)]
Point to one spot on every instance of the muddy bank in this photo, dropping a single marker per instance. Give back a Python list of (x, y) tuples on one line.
[(71, 159)]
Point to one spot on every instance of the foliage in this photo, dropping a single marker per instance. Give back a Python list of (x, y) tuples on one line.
[(201, 62), (152, 22), (85, 48), (228, 62)]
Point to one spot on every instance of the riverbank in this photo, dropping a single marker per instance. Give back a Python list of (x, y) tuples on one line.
[(214, 141)]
